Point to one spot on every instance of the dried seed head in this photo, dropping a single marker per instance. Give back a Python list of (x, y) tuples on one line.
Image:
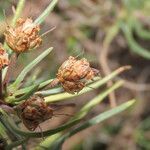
[(34, 111), (73, 74), (4, 61), (24, 36)]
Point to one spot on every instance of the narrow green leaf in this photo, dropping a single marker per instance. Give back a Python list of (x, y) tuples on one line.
[(12, 134), (92, 103), (50, 92), (84, 111), (15, 128), (46, 12), (27, 89), (133, 44), (45, 83), (23, 91), (25, 96), (62, 96), (99, 118), (28, 68), (18, 11), (46, 143), (72, 122), (57, 90), (2, 130)]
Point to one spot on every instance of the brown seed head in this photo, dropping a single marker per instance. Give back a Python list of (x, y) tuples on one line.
[(4, 61), (34, 111), (73, 74), (24, 36)]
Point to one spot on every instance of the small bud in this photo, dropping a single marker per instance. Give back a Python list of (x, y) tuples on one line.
[(73, 74), (24, 36), (34, 111), (4, 61)]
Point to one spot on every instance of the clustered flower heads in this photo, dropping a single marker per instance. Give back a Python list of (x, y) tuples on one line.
[(24, 36), (4, 61), (73, 74), (20, 97), (34, 111)]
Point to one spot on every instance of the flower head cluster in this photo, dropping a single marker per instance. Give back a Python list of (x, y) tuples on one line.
[(24, 36), (73, 74), (34, 111), (4, 61)]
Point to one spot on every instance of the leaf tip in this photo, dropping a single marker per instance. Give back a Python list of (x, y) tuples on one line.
[(130, 103)]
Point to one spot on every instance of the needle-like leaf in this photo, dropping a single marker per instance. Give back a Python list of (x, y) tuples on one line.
[(71, 123), (98, 119), (46, 12), (28, 68)]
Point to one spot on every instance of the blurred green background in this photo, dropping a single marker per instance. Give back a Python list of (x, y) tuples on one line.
[(110, 34)]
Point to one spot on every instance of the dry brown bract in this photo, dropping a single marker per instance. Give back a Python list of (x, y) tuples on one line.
[(34, 111), (24, 36), (73, 74), (4, 61)]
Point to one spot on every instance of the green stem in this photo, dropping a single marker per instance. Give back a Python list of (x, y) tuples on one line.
[(18, 11)]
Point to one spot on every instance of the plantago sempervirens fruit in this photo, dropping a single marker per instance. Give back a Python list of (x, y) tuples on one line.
[(4, 61), (34, 111), (74, 74), (24, 36)]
